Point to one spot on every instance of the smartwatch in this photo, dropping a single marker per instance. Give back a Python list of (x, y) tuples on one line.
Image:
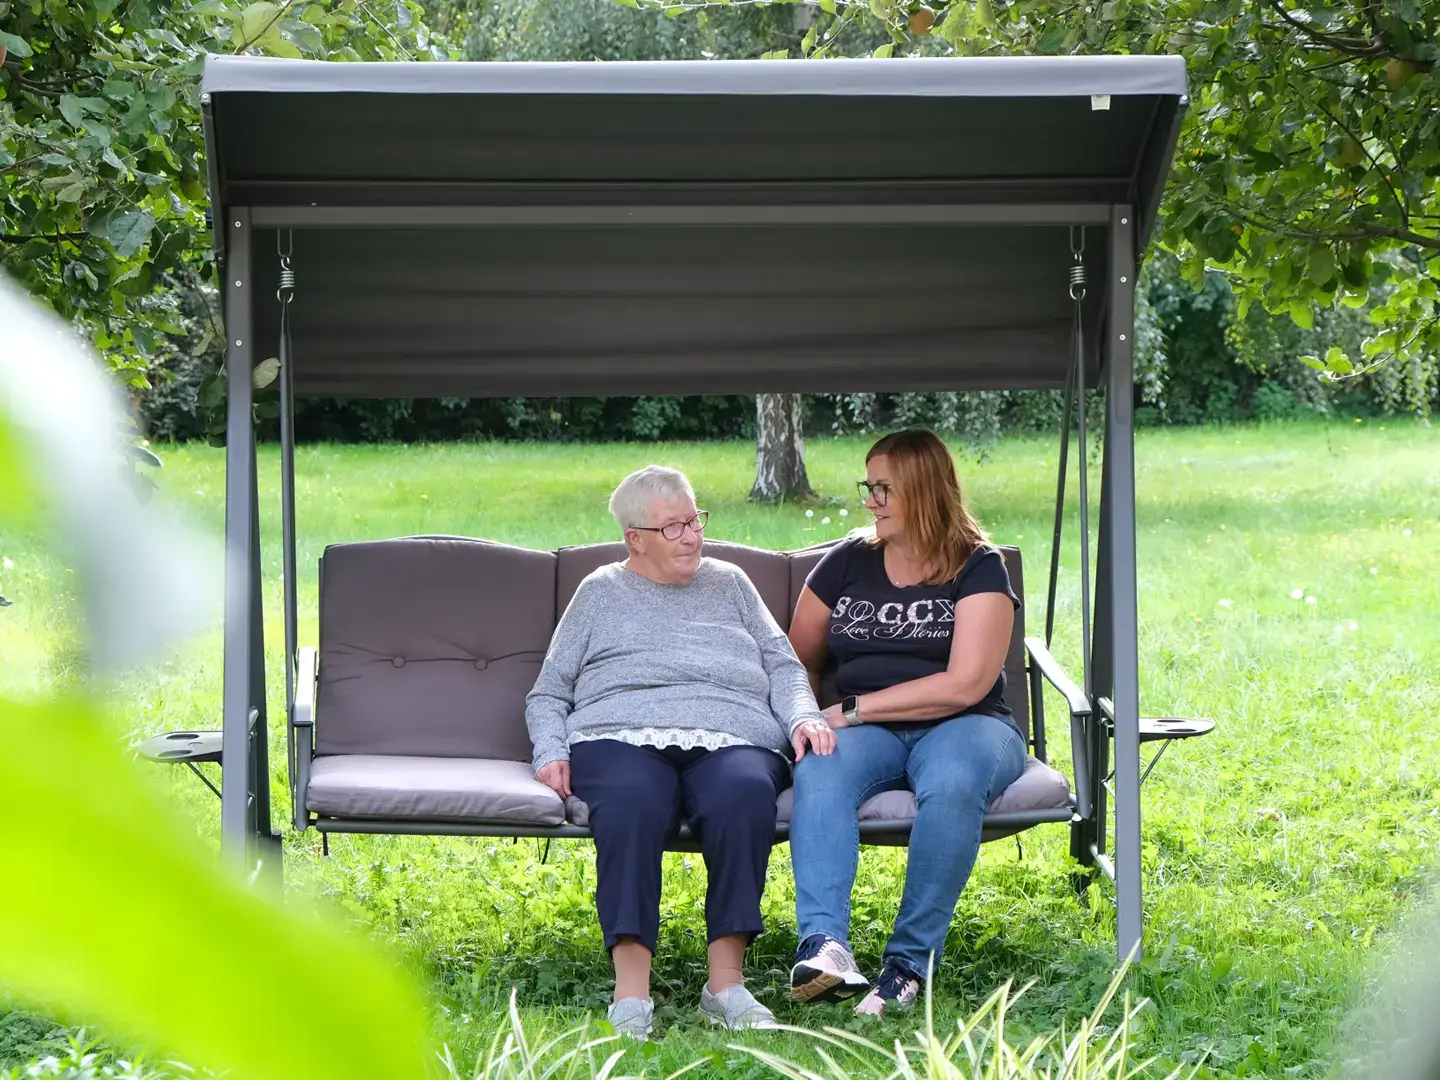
[(850, 709)]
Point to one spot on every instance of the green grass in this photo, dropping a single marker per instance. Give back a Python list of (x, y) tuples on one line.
[(1280, 853)]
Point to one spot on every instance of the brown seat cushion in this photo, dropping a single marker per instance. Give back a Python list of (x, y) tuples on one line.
[(429, 645)]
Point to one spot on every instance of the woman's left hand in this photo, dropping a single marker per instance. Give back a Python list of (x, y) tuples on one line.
[(835, 718), (820, 738)]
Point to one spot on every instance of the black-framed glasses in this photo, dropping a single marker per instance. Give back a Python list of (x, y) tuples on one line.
[(676, 529), (879, 491)]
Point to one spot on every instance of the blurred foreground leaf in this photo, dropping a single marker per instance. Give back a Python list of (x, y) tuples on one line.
[(111, 914)]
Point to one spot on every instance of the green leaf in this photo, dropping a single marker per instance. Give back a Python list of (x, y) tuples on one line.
[(1322, 265), (211, 392), (827, 6), (126, 231), (885, 52), (1338, 362), (984, 14), (95, 829), (264, 373), (1312, 361), (72, 110), (776, 54), (17, 47), (808, 41), (1302, 314), (71, 193), (255, 19), (1053, 39)]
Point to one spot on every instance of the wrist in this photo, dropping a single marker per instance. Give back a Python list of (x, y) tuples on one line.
[(850, 710)]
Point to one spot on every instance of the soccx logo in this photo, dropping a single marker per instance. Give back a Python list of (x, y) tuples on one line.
[(863, 620)]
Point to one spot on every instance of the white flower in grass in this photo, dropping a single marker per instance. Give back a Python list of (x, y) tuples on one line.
[(825, 521), (1226, 603), (1339, 628), (1311, 601), (1405, 533), (1374, 570), (1353, 625), (1297, 594), (844, 512), (809, 513), (8, 563)]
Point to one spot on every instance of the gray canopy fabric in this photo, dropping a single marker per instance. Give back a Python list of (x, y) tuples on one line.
[(686, 227)]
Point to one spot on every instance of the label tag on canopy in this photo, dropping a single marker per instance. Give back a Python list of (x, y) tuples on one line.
[(1099, 102)]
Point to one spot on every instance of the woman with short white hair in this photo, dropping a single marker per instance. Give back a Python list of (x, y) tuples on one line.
[(669, 691)]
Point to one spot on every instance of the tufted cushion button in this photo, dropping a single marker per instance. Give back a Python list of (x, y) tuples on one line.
[(481, 665), (399, 661)]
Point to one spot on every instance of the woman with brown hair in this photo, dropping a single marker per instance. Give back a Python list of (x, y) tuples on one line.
[(916, 621)]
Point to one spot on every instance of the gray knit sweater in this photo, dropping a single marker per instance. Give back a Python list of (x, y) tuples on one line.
[(630, 653)]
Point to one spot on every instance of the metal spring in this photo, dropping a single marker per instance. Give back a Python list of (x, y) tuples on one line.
[(287, 280), (1077, 280)]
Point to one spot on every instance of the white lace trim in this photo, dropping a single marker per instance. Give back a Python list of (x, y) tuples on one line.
[(684, 738)]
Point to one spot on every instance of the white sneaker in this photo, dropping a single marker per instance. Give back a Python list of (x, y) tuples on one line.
[(735, 1008), (632, 1017), (825, 971)]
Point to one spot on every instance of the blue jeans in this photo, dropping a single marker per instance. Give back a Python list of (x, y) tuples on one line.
[(956, 768)]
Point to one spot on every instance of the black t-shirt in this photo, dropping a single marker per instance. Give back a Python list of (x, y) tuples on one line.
[(881, 634)]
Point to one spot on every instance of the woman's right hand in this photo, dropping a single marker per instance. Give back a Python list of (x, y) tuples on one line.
[(556, 776), (815, 733)]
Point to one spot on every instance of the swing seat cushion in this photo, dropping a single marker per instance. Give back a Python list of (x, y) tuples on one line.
[(475, 790), (1039, 787)]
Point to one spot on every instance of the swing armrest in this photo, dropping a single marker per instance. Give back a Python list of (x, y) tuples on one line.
[(302, 734), (1055, 675), (1080, 718)]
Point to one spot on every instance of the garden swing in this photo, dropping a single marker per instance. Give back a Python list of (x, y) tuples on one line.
[(658, 228)]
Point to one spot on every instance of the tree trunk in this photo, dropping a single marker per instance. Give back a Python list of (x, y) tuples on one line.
[(779, 449)]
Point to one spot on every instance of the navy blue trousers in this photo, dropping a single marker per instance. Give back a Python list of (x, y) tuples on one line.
[(637, 796)]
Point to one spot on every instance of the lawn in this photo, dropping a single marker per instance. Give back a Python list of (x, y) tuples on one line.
[(1281, 853)]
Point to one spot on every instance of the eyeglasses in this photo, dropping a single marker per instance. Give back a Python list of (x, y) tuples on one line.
[(879, 491), (676, 529)]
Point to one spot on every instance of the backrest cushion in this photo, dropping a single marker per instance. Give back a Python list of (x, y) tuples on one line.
[(768, 570), (1017, 691), (429, 645)]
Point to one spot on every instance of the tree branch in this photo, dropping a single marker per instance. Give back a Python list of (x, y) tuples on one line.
[(1406, 236), (16, 166), (57, 238), (1357, 47)]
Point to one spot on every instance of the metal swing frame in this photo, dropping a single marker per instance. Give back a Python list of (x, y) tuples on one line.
[(246, 215)]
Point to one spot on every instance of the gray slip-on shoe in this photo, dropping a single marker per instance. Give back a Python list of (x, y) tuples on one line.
[(735, 1008), (632, 1017)]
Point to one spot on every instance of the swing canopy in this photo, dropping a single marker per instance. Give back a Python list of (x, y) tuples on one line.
[(687, 227), (657, 228)]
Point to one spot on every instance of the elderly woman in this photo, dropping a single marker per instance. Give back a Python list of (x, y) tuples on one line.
[(669, 691)]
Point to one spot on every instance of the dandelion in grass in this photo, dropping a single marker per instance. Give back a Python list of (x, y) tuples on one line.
[(8, 563), (1226, 603), (1339, 628), (1353, 625), (844, 512), (809, 513), (1311, 601), (1374, 570), (1297, 594), (825, 521), (1405, 533)]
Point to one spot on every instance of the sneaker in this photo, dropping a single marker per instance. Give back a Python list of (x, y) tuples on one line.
[(735, 1008), (825, 971), (632, 1017), (896, 990)]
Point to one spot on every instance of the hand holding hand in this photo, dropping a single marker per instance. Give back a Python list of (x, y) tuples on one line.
[(835, 718), (556, 776), (815, 734)]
